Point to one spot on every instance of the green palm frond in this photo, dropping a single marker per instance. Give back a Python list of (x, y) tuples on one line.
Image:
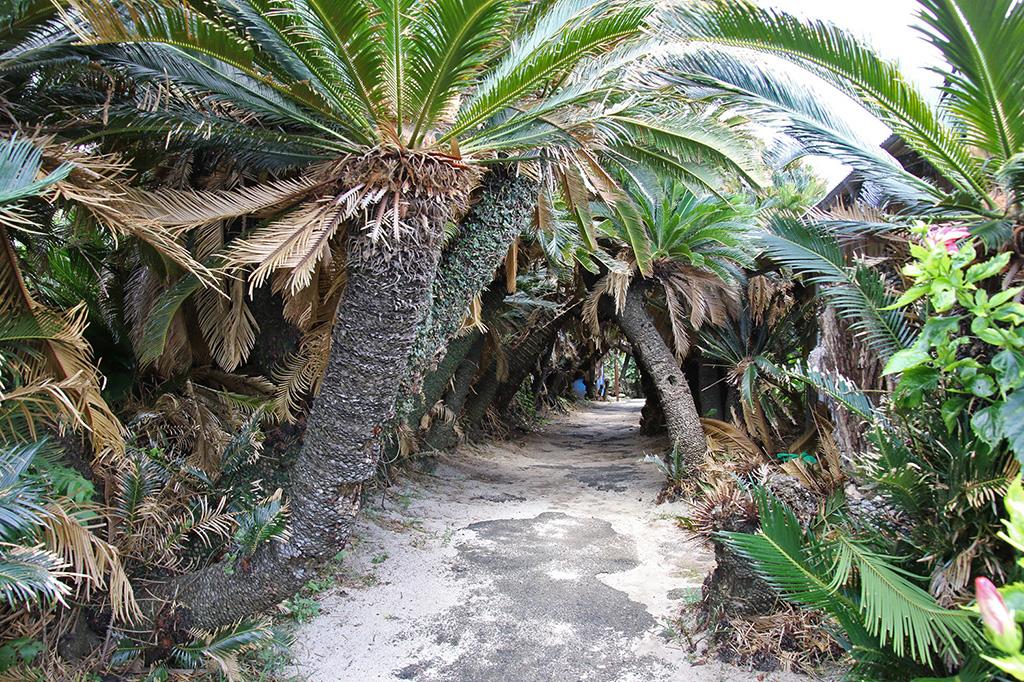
[(22, 507), (795, 107), (20, 164), (451, 39), (901, 614), (985, 82), (223, 646), (858, 293), (265, 521), (847, 64), (839, 389), (30, 576), (158, 322), (879, 606)]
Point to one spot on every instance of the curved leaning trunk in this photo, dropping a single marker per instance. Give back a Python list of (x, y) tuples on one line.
[(385, 298), (659, 365), (435, 383), (503, 210)]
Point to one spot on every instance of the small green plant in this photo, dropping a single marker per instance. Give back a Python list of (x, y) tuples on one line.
[(1002, 609), (20, 651), (263, 522), (301, 609), (672, 466), (793, 457), (971, 343), (219, 649), (892, 628)]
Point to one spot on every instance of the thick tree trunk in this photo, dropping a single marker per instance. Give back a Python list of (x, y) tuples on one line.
[(411, 409), (652, 417), (712, 391), (659, 364), (385, 298), (503, 210), (523, 358)]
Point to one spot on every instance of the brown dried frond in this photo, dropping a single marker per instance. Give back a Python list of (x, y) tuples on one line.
[(693, 298), (474, 317), (296, 242), (60, 385), (441, 411), (95, 562), (99, 185), (769, 298), (732, 439), (184, 209), (614, 284), (794, 639), (512, 266), (721, 505), (227, 324), (299, 375), (406, 438)]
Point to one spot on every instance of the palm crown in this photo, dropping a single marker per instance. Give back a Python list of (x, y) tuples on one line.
[(318, 84), (692, 246)]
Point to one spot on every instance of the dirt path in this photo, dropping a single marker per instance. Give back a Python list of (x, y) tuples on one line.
[(536, 560)]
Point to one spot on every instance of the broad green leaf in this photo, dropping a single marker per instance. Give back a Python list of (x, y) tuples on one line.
[(1012, 417), (1009, 366), (987, 426), (982, 386), (951, 410), (904, 360), (989, 268)]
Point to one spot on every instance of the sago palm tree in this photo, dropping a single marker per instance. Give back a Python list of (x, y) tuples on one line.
[(688, 252), (392, 111)]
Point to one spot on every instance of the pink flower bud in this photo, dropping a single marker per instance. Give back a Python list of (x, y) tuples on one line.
[(993, 609), (947, 236)]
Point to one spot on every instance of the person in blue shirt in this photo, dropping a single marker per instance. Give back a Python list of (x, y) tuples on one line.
[(579, 387)]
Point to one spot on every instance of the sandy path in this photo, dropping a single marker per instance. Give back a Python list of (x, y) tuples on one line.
[(540, 559)]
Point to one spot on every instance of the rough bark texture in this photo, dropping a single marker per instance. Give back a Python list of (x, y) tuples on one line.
[(522, 360), (659, 364), (840, 352), (652, 417), (385, 298), (503, 210), (435, 384)]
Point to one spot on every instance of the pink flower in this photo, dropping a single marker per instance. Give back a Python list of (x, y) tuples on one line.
[(993, 609), (946, 235)]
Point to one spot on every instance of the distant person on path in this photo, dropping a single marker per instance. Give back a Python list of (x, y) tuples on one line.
[(579, 387), (601, 385)]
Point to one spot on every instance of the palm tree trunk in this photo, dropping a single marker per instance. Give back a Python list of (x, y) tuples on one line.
[(503, 210), (617, 368), (523, 358), (659, 365), (386, 297)]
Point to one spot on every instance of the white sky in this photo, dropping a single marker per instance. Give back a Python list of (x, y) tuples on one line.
[(888, 25)]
